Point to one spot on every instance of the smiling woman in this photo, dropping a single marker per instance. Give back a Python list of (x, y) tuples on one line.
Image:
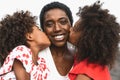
[(35, 6)]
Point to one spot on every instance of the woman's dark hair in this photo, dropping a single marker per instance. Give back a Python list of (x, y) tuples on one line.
[(13, 31), (99, 35), (54, 5)]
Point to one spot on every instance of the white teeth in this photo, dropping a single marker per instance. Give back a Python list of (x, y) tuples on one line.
[(59, 37)]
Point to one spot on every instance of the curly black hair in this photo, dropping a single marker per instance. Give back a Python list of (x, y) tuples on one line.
[(99, 35), (13, 31), (54, 5)]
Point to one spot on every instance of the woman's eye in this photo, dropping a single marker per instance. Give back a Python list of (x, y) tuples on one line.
[(63, 21), (49, 24)]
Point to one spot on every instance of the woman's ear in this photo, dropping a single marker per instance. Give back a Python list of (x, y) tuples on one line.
[(29, 36), (71, 28)]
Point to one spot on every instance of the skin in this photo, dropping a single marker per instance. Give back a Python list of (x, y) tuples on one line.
[(82, 77), (73, 36), (38, 41), (56, 23), (57, 26)]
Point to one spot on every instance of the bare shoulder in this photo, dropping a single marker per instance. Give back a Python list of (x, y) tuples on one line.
[(83, 77)]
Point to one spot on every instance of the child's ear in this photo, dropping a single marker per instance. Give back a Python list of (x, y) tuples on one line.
[(29, 36)]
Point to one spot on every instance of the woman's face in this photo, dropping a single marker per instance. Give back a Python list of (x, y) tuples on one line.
[(74, 34), (57, 26)]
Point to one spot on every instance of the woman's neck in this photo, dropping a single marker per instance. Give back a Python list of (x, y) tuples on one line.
[(60, 51)]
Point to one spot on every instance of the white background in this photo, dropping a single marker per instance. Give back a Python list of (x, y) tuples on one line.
[(10, 6)]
